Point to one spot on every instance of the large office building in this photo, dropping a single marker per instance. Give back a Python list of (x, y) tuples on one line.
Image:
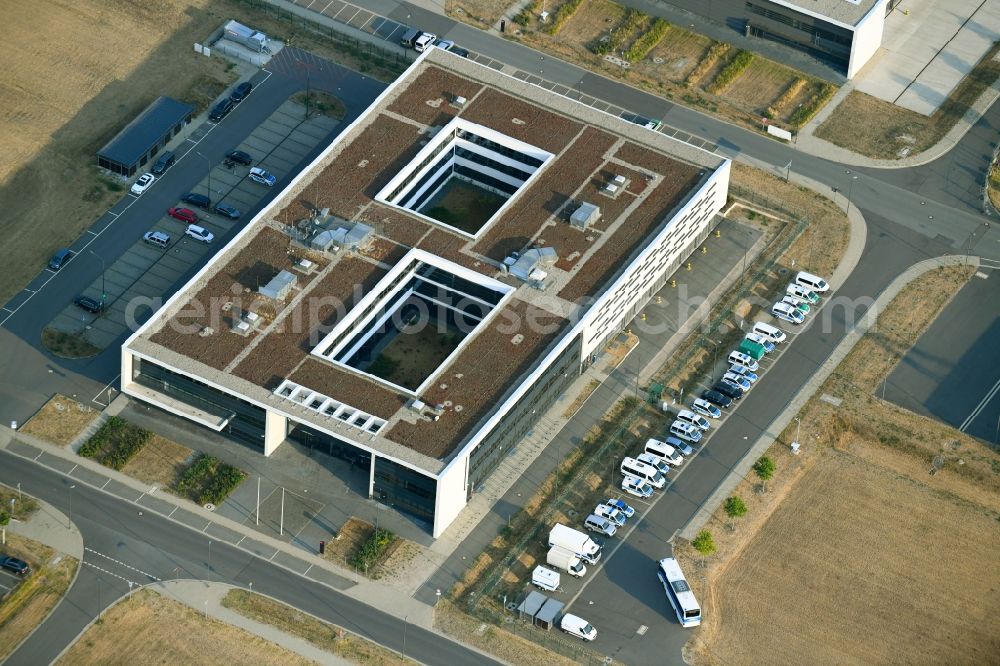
[(845, 32), (417, 297)]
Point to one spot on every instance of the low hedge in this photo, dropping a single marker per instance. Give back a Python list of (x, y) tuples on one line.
[(374, 547), (209, 480), (642, 46), (563, 14), (804, 113), (633, 19), (731, 72), (115, 443)]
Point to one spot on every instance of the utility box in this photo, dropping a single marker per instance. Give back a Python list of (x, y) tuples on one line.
[(753, 349), (586, 215)]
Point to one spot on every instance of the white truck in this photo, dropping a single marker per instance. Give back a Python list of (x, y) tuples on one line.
[(566, 560), (576, 542), (248, 37)]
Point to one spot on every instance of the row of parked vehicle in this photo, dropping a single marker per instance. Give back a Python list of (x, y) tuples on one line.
[(800, 295), (420, 41)]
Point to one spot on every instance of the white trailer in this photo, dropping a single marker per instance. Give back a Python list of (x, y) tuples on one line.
[(575, 541), (545, 579), (248, 37), (566, 560)]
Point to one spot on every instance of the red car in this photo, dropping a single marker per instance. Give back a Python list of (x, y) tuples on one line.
[(183, 214)]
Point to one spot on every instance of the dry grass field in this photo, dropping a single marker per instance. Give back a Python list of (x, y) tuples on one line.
[(152, 629), (160, 462), (761, 84), (32, 602), (60, 420), (679, 53), (857, 553), (594, 19), (76, 73)]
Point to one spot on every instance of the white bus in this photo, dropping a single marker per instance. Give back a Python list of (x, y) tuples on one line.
[(679, 592)]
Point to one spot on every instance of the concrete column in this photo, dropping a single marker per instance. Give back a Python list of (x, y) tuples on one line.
[(371, 478), (275, 431)]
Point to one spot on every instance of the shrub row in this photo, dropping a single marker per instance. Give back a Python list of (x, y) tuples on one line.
[(563, 14), (801, 115), (716, 51), (372, 549), (642, 46), (523, 17), (115, 443), (621, 34), (208, 479), (730, 72), (778, 106)]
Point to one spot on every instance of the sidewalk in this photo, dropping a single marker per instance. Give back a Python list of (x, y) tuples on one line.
[(207, 598), (51, 527), (786, 417)]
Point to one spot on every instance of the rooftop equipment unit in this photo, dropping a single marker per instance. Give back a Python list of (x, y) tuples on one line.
[(585, 215), (279, 286)]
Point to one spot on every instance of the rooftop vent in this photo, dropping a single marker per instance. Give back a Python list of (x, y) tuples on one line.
[(458, 101), (531, 266), (585, 215), (279, 286)]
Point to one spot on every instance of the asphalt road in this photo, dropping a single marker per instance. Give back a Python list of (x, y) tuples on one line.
[(126, 544), (953, 372)]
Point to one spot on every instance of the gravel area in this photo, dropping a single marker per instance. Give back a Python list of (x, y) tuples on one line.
[(535, 125), (282, 350), (428, 98), (487, 368), (515, 230), (618, 249), (394, 223), (448, 245)]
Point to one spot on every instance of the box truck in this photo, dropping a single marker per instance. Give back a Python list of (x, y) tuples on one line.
[(239, 33), (575, 541), (566, 560)]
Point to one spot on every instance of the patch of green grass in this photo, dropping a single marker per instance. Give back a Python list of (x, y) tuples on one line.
[(68, 345), (209, 480), (115, 443)]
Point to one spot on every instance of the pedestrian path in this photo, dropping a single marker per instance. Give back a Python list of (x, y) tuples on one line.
[(51, 527)]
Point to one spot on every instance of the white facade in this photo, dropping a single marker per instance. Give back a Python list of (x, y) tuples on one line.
[(867, 38)]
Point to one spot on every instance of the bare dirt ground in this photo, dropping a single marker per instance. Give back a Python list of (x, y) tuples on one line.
[(856, 553), (878, 129), (65, 95), (60, 420), (152, 629), (35, 598)]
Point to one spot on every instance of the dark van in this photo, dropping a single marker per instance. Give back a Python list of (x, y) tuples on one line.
[(166, 161)]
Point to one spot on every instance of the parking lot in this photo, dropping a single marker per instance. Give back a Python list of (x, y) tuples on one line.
[(144, 273), (8, 582)]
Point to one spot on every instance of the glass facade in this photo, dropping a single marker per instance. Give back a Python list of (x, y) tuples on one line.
[(404, 489), (246, 420), (330, 445)]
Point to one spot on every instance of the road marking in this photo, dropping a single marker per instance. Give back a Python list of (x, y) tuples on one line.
[(241, 539), (979, 408), (107, 386), (273, 556), (307, 570), (106, 483), (106, 572), (170, 515), (136, 500), (70, 472), (122, 564), (206, 526), (38, 456)]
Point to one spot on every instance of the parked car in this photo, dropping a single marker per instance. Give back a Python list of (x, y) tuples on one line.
[(600, 524), (165, 161), (228, 211), (142, 183), (739, 358), (444, 44), (728, 389), (690, 417), (773, 334), (633, 485), (183, 214), (221, 110), (706, 408), (795, 289), (157, 238), (655, 461), (577, 626), (629, 511), (737, 379), (423, 41), (813, 282), (199, 200), (459, 51), (744, 371), (612, 514), (261, 176), (199, 233), (716, 398), (240, 92), (89, 304), (20, 567), (787, 312), (683, 430), (60, 258), (797, 303), (642, 121), (681, 447), (762, 340), (239, 157)]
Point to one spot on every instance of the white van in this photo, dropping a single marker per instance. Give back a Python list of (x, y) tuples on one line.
[(810, 281), (643, 471), (688, 416), (685, 431), (577, 626), (664, 452), (596, 523), (772, 333), (655, 461), (794, 289), (739, 358)]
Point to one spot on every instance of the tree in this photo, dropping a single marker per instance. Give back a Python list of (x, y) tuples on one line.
[(704, 544), (735, 508), (4, 521), (764, 469)]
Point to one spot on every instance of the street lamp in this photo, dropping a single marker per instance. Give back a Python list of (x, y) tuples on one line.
[(209, 560), (71, 504), (405, 618), (104, 292), (208, 163), (850, 188), (715, 359)]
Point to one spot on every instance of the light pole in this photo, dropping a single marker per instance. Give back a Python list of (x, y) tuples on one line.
[(715, 359), (405, 618), (104, 292), (71, 504), (208, 163), (209, 560), (850, 189)]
